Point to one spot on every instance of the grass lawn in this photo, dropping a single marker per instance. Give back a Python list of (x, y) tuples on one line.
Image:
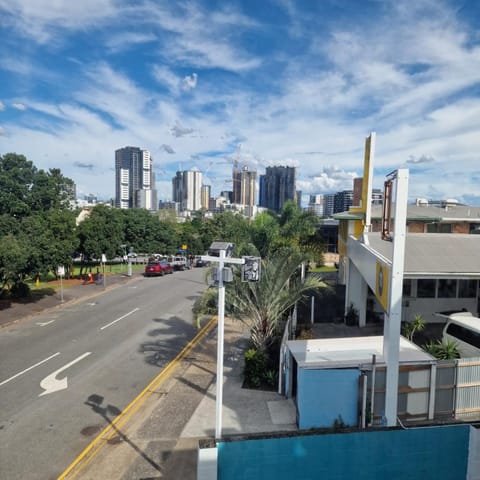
[(51, 281), (323, 269)]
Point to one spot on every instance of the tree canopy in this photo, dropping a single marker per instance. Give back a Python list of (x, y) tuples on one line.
[(38, 230)]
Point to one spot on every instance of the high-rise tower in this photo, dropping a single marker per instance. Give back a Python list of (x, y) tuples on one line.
[(187, 188), (134, 179), (277, 186)]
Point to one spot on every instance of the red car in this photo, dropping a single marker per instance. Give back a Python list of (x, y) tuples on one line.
[(158, 268)]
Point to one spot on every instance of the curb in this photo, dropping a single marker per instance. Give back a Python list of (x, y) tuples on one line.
[(89, 453)]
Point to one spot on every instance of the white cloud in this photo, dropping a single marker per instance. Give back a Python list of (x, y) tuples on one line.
[(2, 106), (190, 82), (19, 106), (41, 19), (422, 159), (3, 133), (166, 77), (125, 40)]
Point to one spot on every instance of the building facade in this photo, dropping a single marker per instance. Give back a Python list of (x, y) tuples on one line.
[(248, 187), (205, 196), (277, 186), (134, 179), (187, 190)]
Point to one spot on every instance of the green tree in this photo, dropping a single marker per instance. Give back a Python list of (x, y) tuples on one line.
[(102, 232), (13, 261), (410, 328), (25, 189), (265, 232), (17, 176), (263, 305)]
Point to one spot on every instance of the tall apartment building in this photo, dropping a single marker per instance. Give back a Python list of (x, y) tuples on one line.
[(205, 196), (187, 190), (248, 187), (343, 201), (134, 179), (244, 186), (316, 204), (277, 186)]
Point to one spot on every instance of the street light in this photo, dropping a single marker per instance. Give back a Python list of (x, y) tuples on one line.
[(221, 248)]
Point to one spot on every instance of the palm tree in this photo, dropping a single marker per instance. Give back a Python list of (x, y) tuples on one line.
[(262, 305)]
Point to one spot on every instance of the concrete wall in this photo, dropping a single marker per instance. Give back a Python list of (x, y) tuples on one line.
[(421, 453), (473, 472), (324, 396)]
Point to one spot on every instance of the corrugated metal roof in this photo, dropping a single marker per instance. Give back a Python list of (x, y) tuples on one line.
[(351, 352), (435, 253), (429, 213)]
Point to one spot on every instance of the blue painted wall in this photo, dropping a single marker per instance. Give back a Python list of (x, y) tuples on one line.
[(423, 454), (324, 395)]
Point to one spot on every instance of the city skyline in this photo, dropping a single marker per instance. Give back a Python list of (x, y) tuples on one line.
[(279, 83)]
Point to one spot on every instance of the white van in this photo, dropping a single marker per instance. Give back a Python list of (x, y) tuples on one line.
[(464, 329)]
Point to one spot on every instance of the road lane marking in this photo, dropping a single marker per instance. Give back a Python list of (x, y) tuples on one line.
[(118, 319), (42, 324), (90, 452), (29, 368), (50, 383)]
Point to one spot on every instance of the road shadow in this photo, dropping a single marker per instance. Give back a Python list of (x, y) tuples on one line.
[(109, 413), (175, 333)]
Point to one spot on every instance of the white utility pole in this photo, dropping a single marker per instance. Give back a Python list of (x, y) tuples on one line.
[(393, 317), (221, 260)]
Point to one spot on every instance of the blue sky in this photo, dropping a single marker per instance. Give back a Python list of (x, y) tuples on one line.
[(272, 82)]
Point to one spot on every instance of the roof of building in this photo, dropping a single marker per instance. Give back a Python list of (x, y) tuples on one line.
[(434, 254), (430, 213), (351, 352)]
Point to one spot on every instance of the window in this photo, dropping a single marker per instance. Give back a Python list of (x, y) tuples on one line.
[(447, 288), (445, 228), (407, 287), (464, 334), (467, 288), (426, 288)]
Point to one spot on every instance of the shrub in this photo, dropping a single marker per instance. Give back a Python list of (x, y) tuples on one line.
[(446, 350), (206, 305), (255, 368), (20, 290), (410, 328)]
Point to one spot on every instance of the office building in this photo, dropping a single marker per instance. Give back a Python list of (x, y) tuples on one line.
[(277, 186), (205, 196), (187, 190), (248, 187), (343, 201), (316, 204), (134, 179)]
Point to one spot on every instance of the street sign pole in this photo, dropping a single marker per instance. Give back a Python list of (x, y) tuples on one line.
[(221, 260)]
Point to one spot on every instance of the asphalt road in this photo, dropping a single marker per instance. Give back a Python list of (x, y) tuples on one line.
[(64, 375)]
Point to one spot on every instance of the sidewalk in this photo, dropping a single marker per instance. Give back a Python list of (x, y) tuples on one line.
[(158, 436)]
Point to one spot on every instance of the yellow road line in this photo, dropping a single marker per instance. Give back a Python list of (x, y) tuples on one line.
[(107, 433)]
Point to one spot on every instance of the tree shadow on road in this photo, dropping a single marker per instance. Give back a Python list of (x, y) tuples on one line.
[(109, 413), (175, 333)]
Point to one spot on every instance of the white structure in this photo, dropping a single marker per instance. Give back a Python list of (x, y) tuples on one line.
[(134, 179), (187, 189)]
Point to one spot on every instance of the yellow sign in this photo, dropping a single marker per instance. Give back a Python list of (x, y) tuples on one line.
[(366, 170), (184, 247), (382, 284)]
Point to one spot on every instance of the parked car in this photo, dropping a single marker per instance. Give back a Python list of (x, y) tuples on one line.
[(199, 262), (158, 268)]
